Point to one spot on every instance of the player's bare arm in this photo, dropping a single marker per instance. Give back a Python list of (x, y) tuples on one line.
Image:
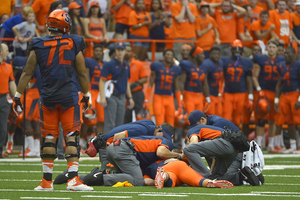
[(193, 139), (163, 152), (255, 74), (27, 72), (101, 90)]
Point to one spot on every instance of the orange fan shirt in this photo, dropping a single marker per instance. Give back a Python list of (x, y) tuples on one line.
[(5, 7), (295, 17), (185, 29), (206, 41), (264, 4), (256, 26), (283, 24), (256, 12), (169, 32), (96, 29), (121, 15), (41, 9), (6, 76), (137, 18), (242, 27), (137, 71), (226, 25)]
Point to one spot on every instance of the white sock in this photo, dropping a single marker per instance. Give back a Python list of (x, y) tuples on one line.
[(259, 140), (293, 144), (30, 143), (37, 145), (26, 142), (281, 140), (182, 143), (271, 142), (277, 140), (10, 137)]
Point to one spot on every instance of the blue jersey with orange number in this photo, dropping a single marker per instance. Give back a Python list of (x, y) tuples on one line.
[(194, 76), (268, 75), (144, 127), (290, 77), (56, 57), (146, 147), (36, 79), (95, 72), (205, 132), (165, 77), (235, 73), (214, 75), (220, 122)]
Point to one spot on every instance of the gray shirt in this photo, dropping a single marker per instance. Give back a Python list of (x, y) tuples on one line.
[(25, 30)]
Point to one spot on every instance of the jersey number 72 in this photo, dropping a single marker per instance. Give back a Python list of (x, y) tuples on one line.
[(65, 44)]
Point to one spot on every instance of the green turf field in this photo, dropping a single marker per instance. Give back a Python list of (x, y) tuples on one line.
[(18, 178)]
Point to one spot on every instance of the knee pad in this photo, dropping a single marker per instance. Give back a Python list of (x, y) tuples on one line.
[(47, 144), (261, 122), (74, 144)]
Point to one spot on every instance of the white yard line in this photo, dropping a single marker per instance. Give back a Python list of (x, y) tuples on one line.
[(43, 198), (114, 197)]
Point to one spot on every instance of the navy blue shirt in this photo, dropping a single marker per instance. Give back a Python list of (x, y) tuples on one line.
[(220, 122), (56, 57), (115, 68)]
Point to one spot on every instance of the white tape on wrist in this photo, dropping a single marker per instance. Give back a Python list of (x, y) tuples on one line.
[(18, 94), (276, 100)]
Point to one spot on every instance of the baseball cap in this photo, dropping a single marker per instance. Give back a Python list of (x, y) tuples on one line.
[(186, 46), (95, 3), (195, 116), (297, 3), (120, 45), (74, 5), (167, 133), (204, 4)]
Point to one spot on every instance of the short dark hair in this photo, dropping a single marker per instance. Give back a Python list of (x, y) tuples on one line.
[(264, 12), (272, 42), (165, 51), (98, 46), (292, 49), (168, 126), (111, 52), (215, 49)]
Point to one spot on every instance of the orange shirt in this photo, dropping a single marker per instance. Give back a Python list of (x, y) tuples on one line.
[(169, 36), (6, 76), (226, 25), (137, 18), (206, 41), (137, 71), (256, 26), (282, 23), (121, 15), (41, 9), (96, 29), (242, 27), (26, 1), (167, 6), (185, 29), (264, 4), (5, 7), (241, 2), (256, 12)]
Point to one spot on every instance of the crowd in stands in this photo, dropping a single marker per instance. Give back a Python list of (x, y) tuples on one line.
[(197, 28)]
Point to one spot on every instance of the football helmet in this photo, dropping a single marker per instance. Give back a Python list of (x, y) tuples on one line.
[(237, 48), (143, 114), (262, 106), (181, 119), (90, 117), (60, 21)]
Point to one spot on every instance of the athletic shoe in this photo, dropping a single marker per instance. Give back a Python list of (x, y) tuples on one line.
[(159, 178), (76, 185), (249, 176), (45, 186), (272, 150), (297, 152), (21, 154), (290, 150), (9, 147), (94, 178), (219, 184), (261, 178), (31, 154), (62, 178)]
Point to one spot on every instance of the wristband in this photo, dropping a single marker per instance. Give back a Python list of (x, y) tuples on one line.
[(146, 100), (140, 24), (250, 96), (299, 98), (219, 95), (234, 6), (18, 94), (276, 100), (208, 99), (258, 88)]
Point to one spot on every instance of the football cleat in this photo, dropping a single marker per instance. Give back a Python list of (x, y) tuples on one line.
[(45, 186), (249, 176), (75, 184), (62, 178), (290, 150), (261, 178), (9, 147), (94, 178), (219, 184), (159, 178)]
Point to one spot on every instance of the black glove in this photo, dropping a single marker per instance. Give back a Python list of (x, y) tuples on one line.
[(17, 106), (85, 103)]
